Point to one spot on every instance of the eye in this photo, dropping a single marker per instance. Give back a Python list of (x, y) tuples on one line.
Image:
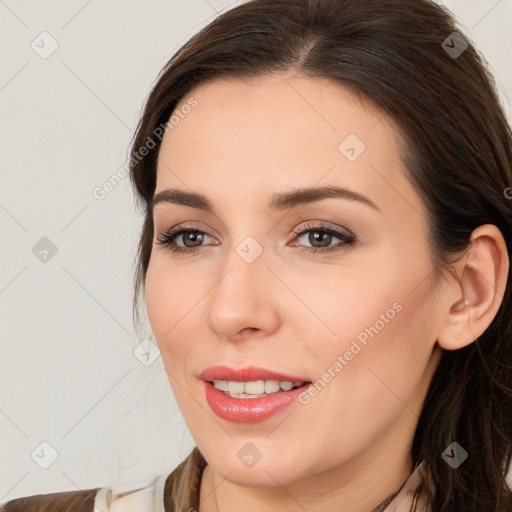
[(190, 235), (323, 235), (318, 234)]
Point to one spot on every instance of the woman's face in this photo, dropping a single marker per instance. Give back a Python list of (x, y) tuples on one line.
[(357, 318)]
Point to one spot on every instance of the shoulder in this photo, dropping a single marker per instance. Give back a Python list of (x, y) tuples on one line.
[(136, 496), (67, 501), (139, 495), (153, 494)]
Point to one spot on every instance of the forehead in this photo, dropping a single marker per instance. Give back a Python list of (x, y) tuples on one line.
[(275, 132)]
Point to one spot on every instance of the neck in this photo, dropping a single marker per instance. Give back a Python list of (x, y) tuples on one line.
[(221, 495), (382, 506)]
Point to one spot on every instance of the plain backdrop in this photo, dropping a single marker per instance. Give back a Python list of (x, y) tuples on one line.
[(78, 408)]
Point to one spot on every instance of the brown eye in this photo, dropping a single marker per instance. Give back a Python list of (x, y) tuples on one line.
[(192, 239), (320, 238)]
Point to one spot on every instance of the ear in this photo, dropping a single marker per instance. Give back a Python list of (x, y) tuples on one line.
[(476, 296)]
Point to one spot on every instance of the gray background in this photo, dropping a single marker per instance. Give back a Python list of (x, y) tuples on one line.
[(68, 373)]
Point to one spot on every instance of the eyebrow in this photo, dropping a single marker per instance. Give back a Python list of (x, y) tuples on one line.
[(279, 200)]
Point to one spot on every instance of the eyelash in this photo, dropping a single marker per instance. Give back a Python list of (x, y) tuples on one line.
[(168, 238)]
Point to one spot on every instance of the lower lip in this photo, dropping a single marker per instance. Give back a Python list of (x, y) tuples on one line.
[(249, 410)]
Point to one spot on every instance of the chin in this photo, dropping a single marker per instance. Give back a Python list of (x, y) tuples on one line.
[(268, 471)]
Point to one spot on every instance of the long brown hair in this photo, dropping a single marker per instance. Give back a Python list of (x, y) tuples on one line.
[(458, 156)]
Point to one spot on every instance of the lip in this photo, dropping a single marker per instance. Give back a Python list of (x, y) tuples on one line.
[(249, 410), (249, 373)]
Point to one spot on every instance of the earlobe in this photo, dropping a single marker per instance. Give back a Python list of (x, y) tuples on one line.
[(475, 298)]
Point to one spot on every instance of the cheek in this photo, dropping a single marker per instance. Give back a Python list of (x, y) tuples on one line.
[(375, 337), (170, 306), (176, 308), (164, 314), (334, 311), (157, 302), (376, 362)]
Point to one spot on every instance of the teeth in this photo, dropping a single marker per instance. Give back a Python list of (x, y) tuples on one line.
[(286, 385), (254, 389), (235, 387), (221, 384), (271, 386)]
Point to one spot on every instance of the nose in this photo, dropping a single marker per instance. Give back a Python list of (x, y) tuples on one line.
[(244, 303)]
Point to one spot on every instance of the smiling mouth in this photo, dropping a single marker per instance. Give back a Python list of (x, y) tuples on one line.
[(250, 395), (256, 388)]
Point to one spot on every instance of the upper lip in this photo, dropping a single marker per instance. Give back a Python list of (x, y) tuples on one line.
[(247, 374)]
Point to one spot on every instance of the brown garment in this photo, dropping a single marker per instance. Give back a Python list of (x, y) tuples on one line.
[(68, 501), (84, 500)]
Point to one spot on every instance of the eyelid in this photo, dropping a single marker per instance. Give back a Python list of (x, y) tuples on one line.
[(188, 226), (346, 236), (311, 225)]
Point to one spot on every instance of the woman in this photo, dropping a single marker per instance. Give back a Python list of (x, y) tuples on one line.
[(324, 260)]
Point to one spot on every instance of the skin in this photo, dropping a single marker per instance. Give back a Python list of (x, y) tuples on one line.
[(295, 312)]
